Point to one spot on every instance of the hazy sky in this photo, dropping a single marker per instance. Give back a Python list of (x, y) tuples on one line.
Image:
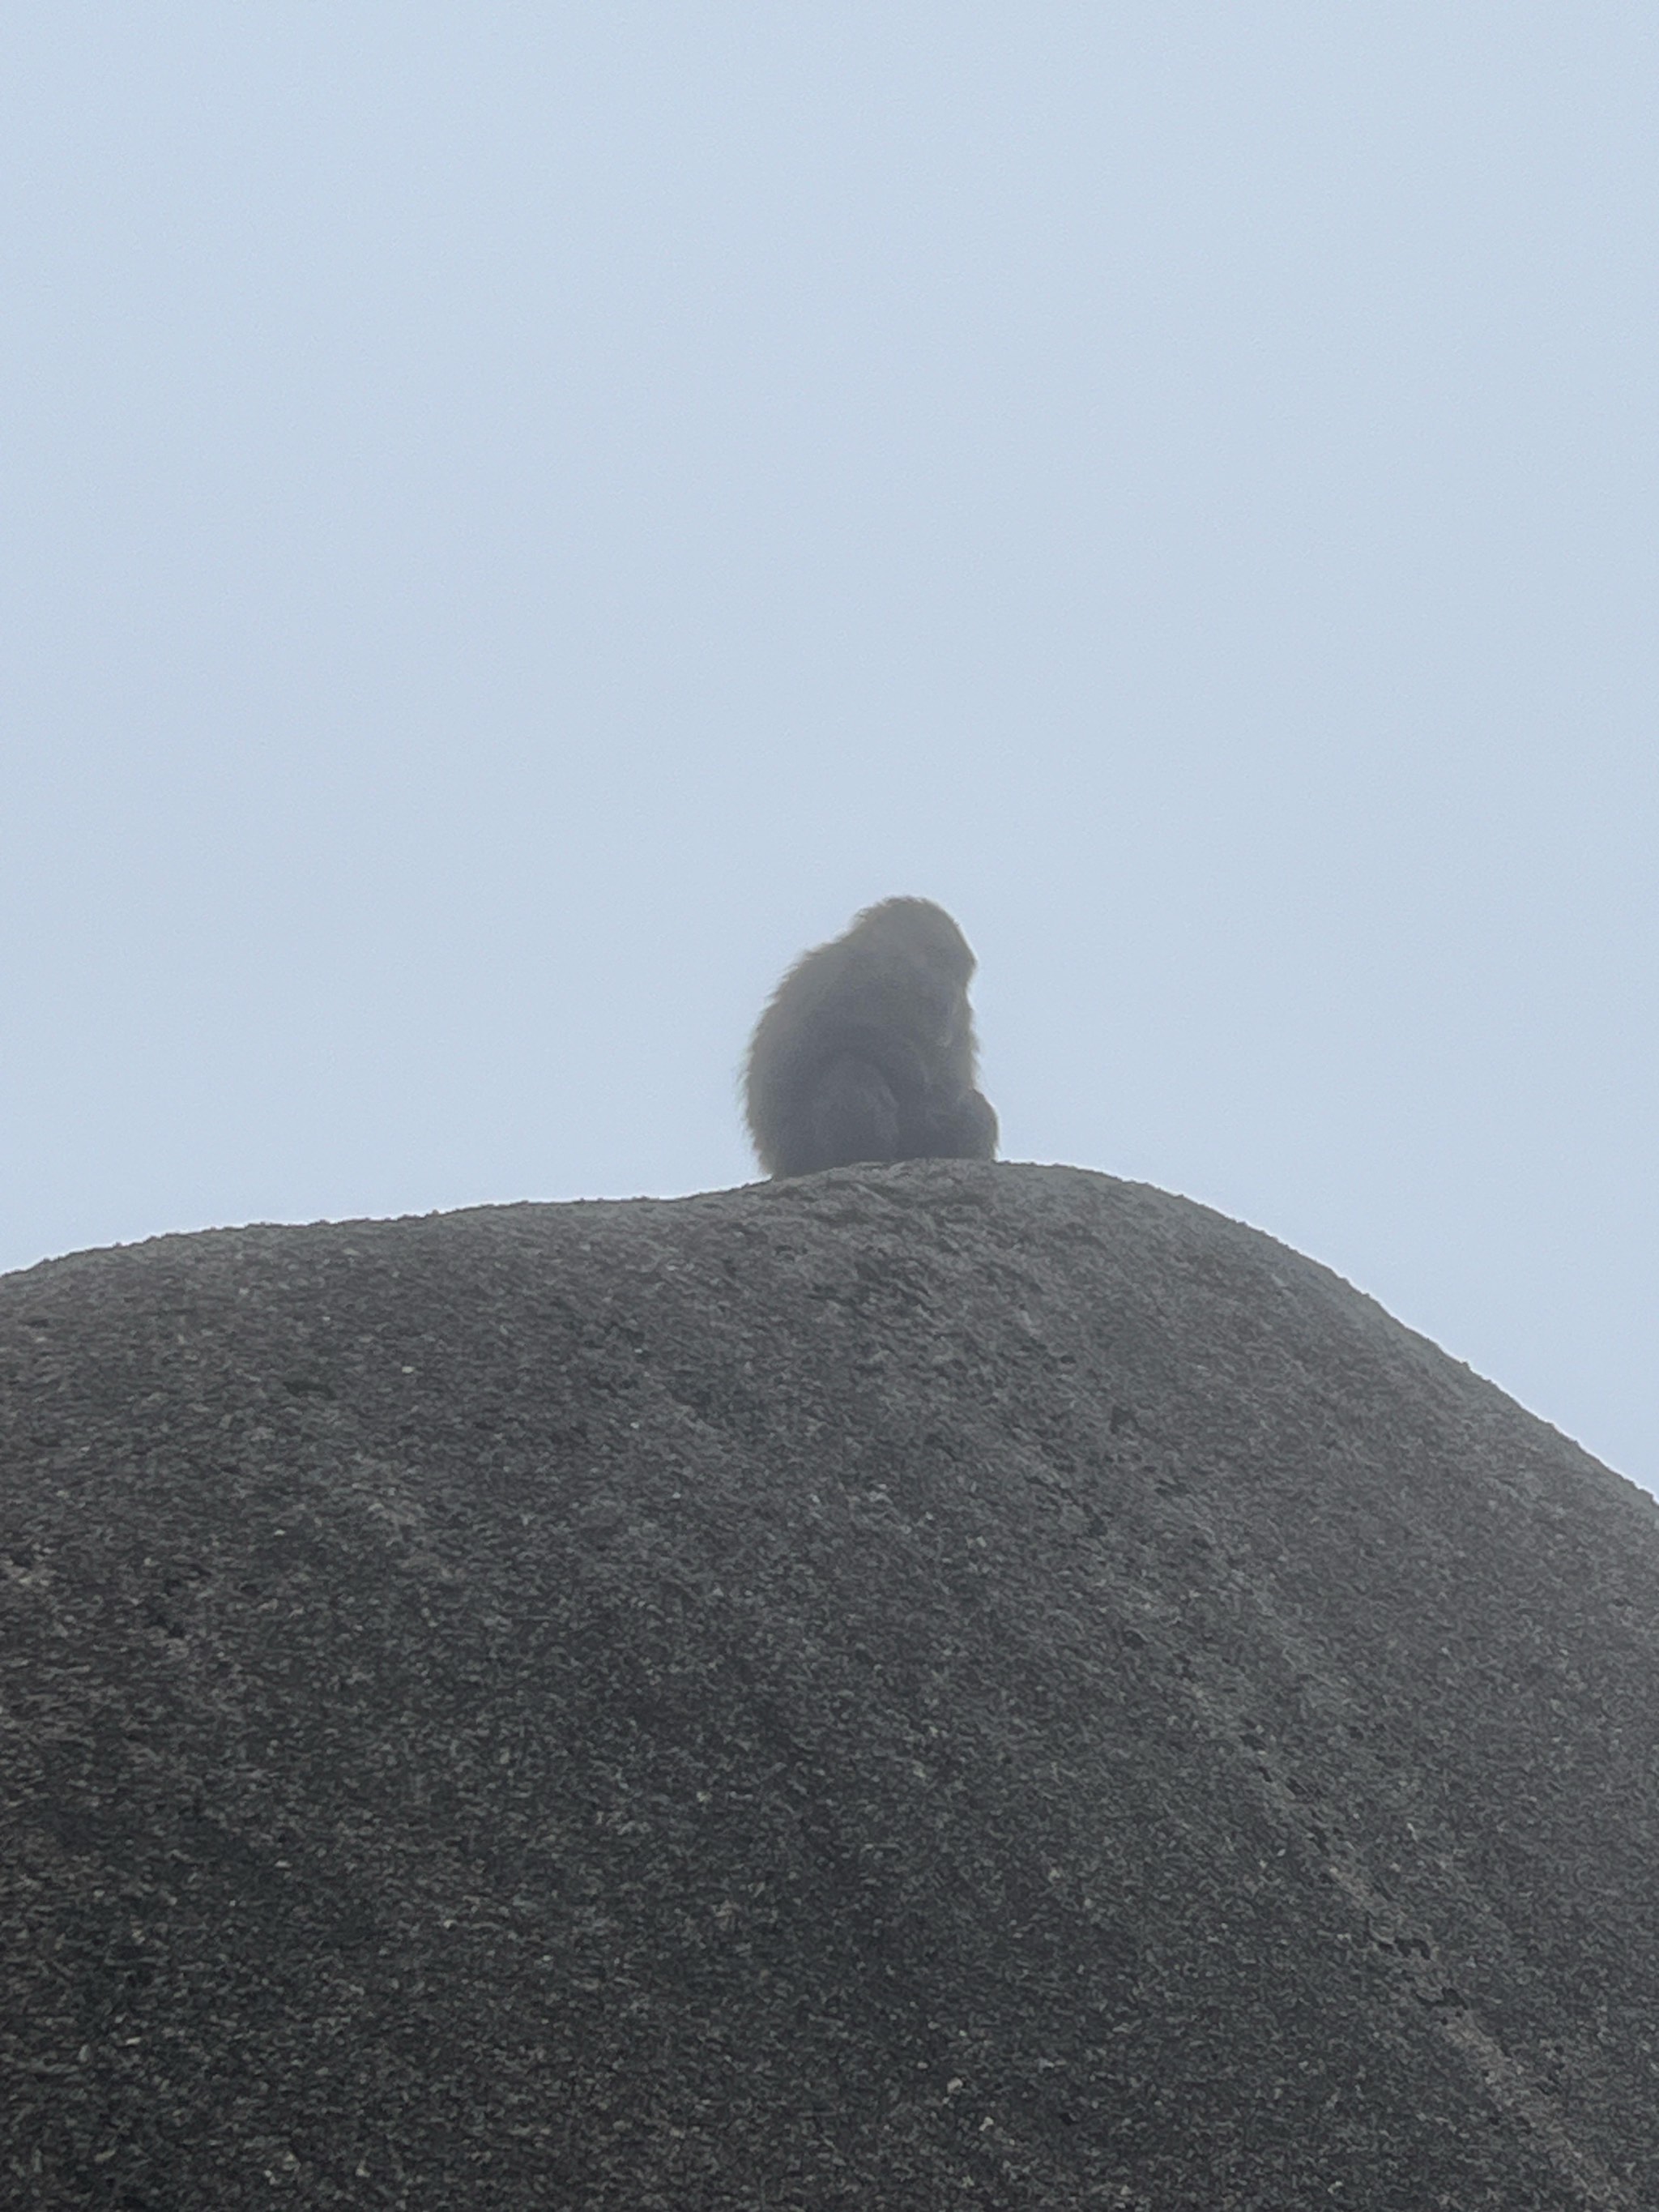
[(516, 519)]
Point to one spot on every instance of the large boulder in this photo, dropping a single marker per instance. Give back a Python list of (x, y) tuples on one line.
[(939, 1685)]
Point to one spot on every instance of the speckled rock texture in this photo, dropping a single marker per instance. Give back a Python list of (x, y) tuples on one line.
[(941, 1685)]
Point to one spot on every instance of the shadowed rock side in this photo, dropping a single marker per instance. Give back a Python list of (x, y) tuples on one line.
[(930, 1686)]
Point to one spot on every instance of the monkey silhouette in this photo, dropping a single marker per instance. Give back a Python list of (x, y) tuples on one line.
[(866, 1051)]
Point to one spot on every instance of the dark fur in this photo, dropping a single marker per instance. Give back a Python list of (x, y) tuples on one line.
[(865, 1050)]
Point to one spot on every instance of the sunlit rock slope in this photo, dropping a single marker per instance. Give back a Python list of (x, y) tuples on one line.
[(942, 1685)]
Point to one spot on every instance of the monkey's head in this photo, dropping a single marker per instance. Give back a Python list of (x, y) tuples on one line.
[(916, 931)]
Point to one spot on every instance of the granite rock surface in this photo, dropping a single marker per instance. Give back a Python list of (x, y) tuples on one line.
[(942, 1685)]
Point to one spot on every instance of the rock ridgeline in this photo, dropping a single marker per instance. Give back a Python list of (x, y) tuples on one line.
[(941, 1685)]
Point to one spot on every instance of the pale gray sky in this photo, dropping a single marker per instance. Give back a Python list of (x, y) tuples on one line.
[(515, 519)]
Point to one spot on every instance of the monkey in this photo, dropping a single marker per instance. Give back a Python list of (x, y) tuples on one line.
[(865, 1050)]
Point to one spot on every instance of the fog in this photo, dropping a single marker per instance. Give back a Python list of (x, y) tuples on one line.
[(515, 520)]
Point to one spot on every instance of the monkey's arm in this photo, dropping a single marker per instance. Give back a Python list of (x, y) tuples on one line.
[(961, 1128), (878, 1097)]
